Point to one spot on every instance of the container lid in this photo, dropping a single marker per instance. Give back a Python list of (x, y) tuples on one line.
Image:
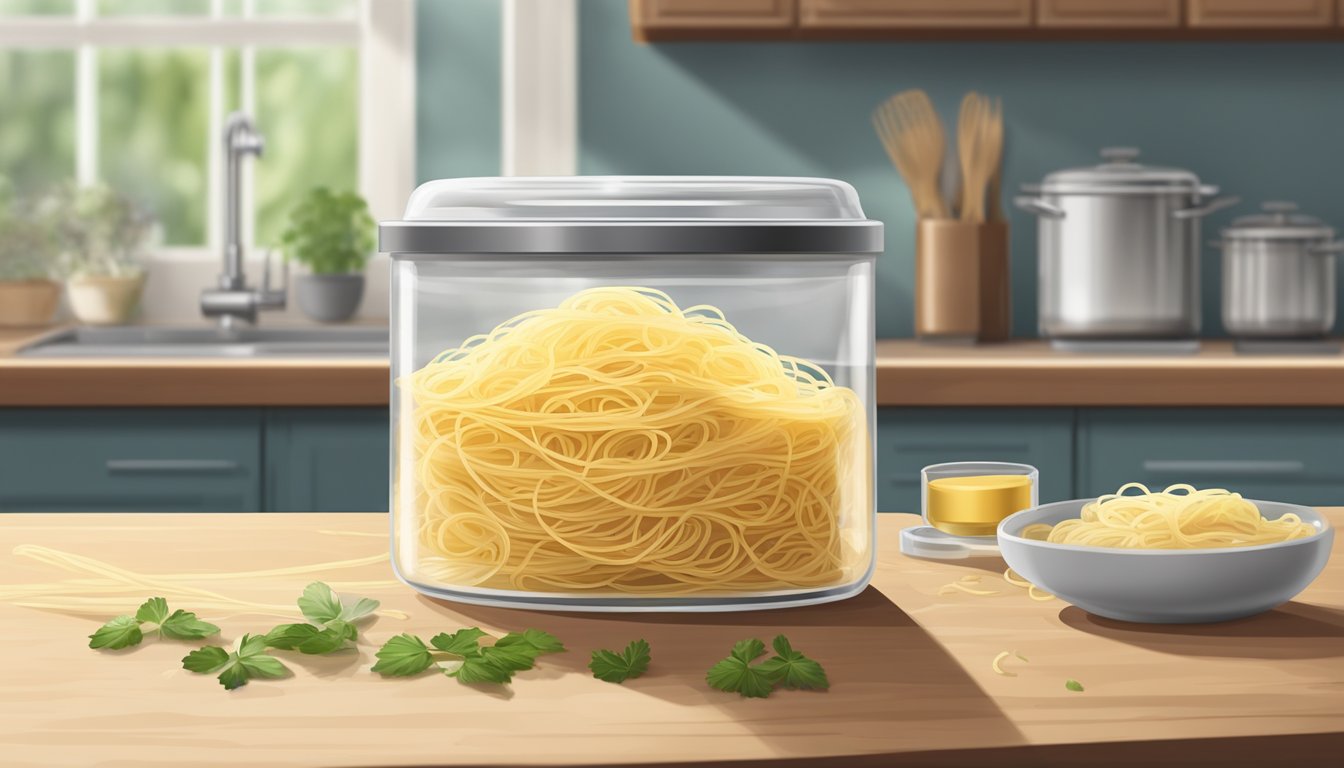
[(1121, 174), (631, 215), (929, 542), (1278, 220)]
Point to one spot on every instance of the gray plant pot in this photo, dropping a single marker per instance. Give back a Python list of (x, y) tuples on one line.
[(329, 298)]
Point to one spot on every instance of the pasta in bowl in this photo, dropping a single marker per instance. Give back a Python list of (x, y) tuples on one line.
[(1179, 556)]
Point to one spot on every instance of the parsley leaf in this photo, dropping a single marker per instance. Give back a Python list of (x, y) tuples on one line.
[(153, 610), (1074, 685), (402, 656), (543, 642), (792, 669), (333, 622), (246, 661), (463, 642), (121, 632), (406, 654), (618, 667), (735, 674), (125, 631), (319, 604), (183, 625)]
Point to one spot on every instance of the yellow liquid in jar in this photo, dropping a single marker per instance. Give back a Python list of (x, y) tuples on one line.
[(974, 506)]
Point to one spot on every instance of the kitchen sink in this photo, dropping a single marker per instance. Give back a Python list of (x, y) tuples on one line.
[(152, 341)]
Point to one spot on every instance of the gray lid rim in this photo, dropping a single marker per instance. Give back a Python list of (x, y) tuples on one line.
[(405, 239)]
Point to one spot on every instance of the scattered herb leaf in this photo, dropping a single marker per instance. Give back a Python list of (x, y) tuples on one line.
[(403, 656), (248, 660), (1074, 685), (121, 632), (125, 631), (543, 642), (792, 669), (463, 642), (333, 622), (618, 667), (735, 674)]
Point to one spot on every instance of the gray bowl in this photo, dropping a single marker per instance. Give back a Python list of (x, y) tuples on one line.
[(1167, 586)]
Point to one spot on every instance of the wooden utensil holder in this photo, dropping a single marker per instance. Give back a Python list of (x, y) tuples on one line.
[(963, 292)]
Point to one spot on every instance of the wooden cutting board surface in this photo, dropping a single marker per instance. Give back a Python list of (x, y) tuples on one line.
[(910, 669)]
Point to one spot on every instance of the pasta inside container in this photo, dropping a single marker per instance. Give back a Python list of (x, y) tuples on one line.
[(633, 393)]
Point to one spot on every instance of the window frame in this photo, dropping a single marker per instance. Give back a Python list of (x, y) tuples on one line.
[(381, 31)]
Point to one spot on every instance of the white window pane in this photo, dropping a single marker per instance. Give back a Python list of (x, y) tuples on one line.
[(341, 9), (37, 7), (307, 101), (37, 130), (153, 106), (153, 7)]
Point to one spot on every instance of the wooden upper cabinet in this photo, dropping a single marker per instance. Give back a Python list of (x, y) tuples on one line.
[(654, 16), (1101, 14), (898, 14), (1251, 14)]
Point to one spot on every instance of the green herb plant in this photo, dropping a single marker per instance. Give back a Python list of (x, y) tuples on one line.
[(28, 246), (247, 660), (331, 622), (461, 655), (616, 667), (330, 232), (99, 231), (789, 668), (125, 631)]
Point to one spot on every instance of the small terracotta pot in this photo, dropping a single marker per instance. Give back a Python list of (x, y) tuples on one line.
[(28, 303), (104, 300)]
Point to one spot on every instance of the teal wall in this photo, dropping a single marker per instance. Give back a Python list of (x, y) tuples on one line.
[(1261, 120), (457, 88)]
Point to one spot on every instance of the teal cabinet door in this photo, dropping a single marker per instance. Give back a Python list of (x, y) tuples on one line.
[(326, 460), (130, 460), (909, 439), (1283, 454)]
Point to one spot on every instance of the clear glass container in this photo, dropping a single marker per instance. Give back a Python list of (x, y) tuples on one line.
[(971, 498), (633, 393)]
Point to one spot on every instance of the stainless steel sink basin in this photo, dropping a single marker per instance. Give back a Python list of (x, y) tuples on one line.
[(150, 341)]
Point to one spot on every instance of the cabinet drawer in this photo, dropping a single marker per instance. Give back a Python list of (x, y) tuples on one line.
[(889, 14), (716, 14), (326, 460), (1254, 14), (1285, 454), (130, 459), (909, 439), (1066, 14)]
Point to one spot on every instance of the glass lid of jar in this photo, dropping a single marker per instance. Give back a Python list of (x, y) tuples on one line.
[(1121, 173), (631, 215), (1278, 220)]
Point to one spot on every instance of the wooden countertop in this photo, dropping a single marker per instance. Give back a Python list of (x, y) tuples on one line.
[(165, 381), (910, 670), (909, 373)]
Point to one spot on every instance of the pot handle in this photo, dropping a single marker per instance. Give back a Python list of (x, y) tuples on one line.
[(1328, 249), (1039, 207), (1207, 208)]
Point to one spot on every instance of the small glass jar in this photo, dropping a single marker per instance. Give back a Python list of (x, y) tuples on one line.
[(971, 498), (633, 393)]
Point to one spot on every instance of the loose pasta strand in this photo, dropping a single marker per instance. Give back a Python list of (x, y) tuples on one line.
[(620, 443)]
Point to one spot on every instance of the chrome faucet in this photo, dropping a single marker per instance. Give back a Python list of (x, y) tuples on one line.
[(232, 301)]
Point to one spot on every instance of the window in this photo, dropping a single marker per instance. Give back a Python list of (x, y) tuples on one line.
[(135, 92)]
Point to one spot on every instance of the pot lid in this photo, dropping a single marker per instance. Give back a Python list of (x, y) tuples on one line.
[(631, 215), (1278, 220), (1121, 173)]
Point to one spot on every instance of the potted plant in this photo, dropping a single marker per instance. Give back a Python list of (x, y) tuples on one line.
[(28, 293), (102, 235), (331, 233)]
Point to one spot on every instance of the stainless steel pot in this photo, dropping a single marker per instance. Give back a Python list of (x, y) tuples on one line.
[(1278, 274), (1118, 248)]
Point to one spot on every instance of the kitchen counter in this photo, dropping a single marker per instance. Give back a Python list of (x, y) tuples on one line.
[(165, 381), (909, 373), (910, 671)]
